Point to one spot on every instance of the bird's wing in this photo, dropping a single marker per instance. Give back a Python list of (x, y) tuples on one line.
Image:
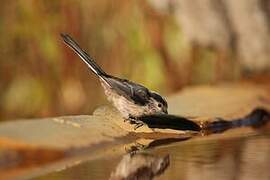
[(130, 90)]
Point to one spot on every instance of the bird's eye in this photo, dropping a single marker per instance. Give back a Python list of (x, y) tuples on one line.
[(159, 105)]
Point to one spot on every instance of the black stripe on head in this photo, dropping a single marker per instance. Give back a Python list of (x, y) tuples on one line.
[(159, 98)]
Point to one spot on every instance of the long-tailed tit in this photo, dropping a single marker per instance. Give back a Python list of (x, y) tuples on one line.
[(131, 99)]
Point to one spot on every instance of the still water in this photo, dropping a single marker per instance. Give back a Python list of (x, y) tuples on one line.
[(235, 154)]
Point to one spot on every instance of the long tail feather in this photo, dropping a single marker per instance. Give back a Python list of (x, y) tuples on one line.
[(83, 55)]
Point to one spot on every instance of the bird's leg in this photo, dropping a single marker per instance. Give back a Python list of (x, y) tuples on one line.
[(138, 125), (131, 120), (136, 121)]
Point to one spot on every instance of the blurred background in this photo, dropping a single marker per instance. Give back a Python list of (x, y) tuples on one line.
[(165, 45)]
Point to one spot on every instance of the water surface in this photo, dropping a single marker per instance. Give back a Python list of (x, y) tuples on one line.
[(235, 154)]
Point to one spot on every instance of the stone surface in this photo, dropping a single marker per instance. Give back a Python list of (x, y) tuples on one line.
[(226, 101), (106, 125)]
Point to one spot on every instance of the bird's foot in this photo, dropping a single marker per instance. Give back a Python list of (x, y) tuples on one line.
[(135, 121), (138, 125)]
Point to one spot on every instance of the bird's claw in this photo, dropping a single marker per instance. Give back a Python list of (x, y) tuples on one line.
[(135, 121), (138, 125)]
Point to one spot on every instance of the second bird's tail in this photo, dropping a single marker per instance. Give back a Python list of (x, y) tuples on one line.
[(83, 55)]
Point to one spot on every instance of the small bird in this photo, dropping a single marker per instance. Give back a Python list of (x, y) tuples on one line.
[(131, 99)]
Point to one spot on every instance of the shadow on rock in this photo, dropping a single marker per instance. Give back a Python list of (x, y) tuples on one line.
[(256, 119)]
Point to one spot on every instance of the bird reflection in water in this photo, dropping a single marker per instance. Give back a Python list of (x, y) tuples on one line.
[(140, 166)]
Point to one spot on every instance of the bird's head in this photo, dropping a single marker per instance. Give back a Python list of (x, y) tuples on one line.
[(159, 103)]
